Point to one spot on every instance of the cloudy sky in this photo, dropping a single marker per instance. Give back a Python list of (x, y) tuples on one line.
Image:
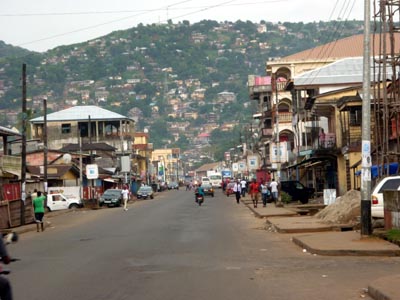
[(40, 25)]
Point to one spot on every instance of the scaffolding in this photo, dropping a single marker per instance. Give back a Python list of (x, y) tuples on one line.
[(385, 117)]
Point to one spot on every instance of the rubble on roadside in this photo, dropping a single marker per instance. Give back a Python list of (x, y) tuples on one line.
[(345, 210)]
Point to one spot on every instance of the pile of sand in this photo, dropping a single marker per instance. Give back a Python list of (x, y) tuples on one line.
[(345, 210)]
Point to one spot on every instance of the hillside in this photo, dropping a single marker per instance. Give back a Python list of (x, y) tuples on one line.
[(176, 80)]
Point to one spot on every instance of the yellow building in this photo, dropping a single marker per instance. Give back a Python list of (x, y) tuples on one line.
[(167, 164)]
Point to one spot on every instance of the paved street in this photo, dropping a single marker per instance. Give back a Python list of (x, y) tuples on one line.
[(170, 248)]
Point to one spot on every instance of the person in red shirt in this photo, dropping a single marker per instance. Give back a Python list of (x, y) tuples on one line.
[(254, 190)]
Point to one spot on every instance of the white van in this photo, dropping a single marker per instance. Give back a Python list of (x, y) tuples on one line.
[(387, 183), (205, 180), (58, 201)]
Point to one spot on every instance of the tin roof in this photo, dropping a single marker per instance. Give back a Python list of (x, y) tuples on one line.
[(81, 113), (352, 46), (345, 71), (4, 131)]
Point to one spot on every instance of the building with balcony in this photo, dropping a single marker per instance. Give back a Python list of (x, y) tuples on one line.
[(167, 164), (322, 90), (294, 112), (92, 124), (142, 153)]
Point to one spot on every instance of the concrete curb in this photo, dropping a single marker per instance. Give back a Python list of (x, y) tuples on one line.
[(345, 252), (387, 284)]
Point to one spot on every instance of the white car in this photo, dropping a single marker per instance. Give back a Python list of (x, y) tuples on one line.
[(387, 183), (205, 180)]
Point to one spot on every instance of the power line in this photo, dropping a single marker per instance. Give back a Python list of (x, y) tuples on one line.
[(130, 11), (198, 10)]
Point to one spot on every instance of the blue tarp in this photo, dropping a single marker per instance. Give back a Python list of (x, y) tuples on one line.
[(393, 170)]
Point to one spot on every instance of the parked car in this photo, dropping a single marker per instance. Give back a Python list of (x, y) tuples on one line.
[(111, 197), (229, 189), (377, 204), (208, 189), (145, 192), (58, 201), (173, 185), (297, 190)]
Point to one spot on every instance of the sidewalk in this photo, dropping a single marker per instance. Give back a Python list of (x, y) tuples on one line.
[(319, 238)]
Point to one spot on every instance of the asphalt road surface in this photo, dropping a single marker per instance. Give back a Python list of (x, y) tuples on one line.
[(169, 248)]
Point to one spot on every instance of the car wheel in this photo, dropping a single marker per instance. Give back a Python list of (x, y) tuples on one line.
[(73, 206), (48, 209), (212, 195), (118, 204)]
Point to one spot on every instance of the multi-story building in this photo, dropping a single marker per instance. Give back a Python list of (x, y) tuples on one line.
[(92, 124), (142, 152), (303, 111), (167, 164)]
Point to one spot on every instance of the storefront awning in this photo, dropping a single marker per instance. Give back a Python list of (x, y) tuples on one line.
[(312, 162)]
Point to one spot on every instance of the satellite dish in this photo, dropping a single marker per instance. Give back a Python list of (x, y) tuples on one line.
[(67, 158)]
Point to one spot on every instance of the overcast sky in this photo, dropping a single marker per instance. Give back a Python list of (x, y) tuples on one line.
[(40, 25)]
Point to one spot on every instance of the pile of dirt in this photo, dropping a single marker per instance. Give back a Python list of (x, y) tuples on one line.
[(345, 210)]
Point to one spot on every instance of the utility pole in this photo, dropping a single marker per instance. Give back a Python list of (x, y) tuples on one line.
[(23, 149), (366, 227), (278, 146), (45, 150)]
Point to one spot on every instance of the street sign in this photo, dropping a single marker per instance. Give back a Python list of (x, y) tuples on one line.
[(92, 171)]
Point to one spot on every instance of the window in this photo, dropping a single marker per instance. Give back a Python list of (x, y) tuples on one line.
[(355, 116), (390, 184), (65, 128)]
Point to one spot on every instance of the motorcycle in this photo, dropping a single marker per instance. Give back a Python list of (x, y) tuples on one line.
[(199, 199), (5, 291)]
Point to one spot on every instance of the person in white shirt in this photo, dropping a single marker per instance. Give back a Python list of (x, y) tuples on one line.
[(243, 184), (265, 193), (125, 197), (237, 189), (274, 189)]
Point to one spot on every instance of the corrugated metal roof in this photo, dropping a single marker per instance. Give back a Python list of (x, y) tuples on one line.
[(352, 46), (4, 131), (81, 113), (344, 71)]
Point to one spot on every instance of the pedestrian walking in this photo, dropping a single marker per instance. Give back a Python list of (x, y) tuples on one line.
[(125, 197), (274, 189), (254, 190), (237, 189), (38, 209), (265, 193), (243, 183)]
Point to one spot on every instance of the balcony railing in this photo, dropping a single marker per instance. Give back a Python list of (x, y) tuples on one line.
[(327, 142), (281, 86), (321, 143), (285, 117)]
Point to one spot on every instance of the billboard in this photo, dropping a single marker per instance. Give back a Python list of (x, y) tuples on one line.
[(283, 152), (125, 164), (252, 161)]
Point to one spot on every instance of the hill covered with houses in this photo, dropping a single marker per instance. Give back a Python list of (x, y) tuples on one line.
[(186, 84)]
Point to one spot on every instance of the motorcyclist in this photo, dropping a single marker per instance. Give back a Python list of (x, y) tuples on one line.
[(199, 192), (5, 286)]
